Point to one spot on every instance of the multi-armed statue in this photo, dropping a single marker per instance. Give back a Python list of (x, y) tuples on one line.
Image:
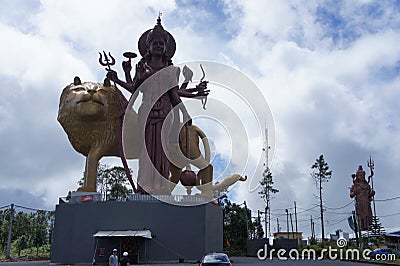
[(99, 121)]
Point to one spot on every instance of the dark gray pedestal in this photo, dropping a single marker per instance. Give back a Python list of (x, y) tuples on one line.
[(178, 232)]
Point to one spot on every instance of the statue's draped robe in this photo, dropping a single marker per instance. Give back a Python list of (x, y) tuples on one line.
[(159, 95), (361, 190)]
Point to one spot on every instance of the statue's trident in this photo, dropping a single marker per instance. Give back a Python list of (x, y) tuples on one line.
[(108, 62)]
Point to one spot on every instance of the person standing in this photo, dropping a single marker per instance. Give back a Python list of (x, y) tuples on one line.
[(125, 260), (113, 260)]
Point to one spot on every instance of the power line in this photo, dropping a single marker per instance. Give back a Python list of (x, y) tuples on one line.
[(394, 198), (389, 215), (344, 219), (336, 208), (30, 209), (338, 213), (316, 206)]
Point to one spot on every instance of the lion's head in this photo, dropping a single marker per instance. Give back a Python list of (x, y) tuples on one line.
[(90, 114)]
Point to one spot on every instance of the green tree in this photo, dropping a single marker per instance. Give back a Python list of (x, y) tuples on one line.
[(41, 230), (21, 243), (267, 185), (29, 230), (267, 190), (375, 232), (117, 181), (4, 225), (235, 228), (21, 225), (321, 175), (111, 182), (255, 229)]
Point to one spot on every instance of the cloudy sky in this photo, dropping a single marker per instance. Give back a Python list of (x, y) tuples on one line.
[(329, 71)]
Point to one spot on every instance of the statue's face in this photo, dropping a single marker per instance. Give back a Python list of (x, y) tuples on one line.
[(158, 47)]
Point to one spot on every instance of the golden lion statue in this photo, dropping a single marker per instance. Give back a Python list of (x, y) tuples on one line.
[(90, 113)]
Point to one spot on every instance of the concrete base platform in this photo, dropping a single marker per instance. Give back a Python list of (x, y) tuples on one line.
[(178, 232)]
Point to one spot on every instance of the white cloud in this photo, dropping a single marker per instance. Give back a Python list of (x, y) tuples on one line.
[(332, 86)]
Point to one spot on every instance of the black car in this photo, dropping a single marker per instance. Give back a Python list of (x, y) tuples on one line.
[(215, 259)]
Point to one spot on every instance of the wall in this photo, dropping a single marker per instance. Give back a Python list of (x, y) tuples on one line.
[(187, 232)]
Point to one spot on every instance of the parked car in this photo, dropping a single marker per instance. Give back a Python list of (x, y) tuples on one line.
[(215, 259), (383, 253)]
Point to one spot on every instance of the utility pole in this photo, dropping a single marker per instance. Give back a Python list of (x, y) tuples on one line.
[(291, 223), (312, 228), (258, 220), (287, 222), (322, 210), (356, 228), (247, 221), (266, 221), (269, 220), (295, 215), (10, 231), (267, 190), (277, 222)]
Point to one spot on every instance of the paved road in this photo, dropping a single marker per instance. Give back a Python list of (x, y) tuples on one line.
[(235, 261)]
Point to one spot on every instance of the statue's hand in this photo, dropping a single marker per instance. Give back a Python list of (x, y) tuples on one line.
[(141, 72), (202, 86), (202, 89), (127, 66), (112, 75)]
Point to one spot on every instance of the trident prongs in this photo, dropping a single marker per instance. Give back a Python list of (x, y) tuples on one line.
[(107, 61), (370, 163)]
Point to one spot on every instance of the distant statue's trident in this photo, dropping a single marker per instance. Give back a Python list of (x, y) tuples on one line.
[(371, 166)]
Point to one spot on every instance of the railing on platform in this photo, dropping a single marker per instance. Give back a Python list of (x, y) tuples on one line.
[(179, 199), (170, 198)]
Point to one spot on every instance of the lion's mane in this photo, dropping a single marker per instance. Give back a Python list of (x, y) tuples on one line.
[(102, 129)]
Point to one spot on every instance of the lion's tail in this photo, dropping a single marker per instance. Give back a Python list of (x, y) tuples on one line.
[(206, 144)]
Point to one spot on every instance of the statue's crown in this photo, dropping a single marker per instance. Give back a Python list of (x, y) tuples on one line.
[(157, 32)]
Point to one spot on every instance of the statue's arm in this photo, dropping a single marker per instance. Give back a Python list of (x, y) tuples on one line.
[(199, 91), (127, 67), (130, 86), (352, 192), (175, 100)]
